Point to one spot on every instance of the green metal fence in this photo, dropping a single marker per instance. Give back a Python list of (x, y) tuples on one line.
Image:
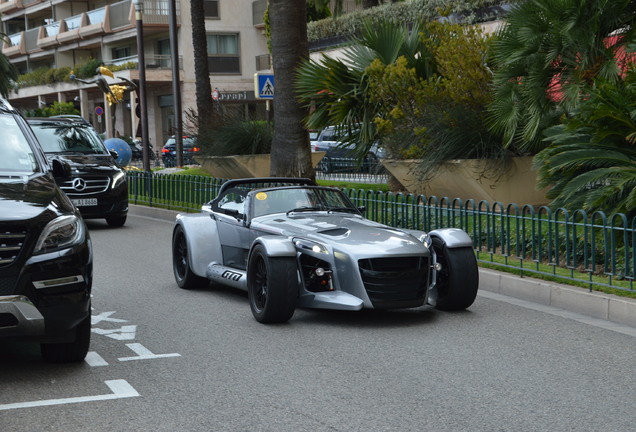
[(595, 249)]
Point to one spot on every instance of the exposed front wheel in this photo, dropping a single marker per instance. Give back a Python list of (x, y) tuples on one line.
[(69, 352), (272, 286), (183, 274), (458, 280)]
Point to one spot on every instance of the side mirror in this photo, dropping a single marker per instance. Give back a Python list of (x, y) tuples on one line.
[(61, 169), (114, 154)]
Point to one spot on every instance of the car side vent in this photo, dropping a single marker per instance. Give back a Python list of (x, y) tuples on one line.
[(11, 242)]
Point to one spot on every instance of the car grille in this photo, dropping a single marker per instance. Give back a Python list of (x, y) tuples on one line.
[(91, 185), (395, 282), (11, 242)]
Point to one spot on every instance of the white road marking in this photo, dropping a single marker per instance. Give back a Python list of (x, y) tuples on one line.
[(144, 353), (93, 359), (120, 389), (123, 333), (105, 316)]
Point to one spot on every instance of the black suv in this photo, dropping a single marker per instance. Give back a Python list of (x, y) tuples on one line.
[(46, 261), (97, 185)]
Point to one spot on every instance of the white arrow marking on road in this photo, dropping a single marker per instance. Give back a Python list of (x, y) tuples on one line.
[(94, 359), (124, 333), (105, 316), (120, 388), (144, 353)]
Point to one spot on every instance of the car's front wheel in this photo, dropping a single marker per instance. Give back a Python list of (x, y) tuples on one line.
[(458, 280), (69, 352), (272, 286), (183, 273)]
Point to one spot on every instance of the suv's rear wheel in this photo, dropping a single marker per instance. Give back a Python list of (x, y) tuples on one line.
[(69, 352)]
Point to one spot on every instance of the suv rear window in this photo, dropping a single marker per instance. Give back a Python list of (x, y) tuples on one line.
[(68, 138)]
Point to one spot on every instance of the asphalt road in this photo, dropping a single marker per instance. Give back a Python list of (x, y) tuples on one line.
[(165, 359)]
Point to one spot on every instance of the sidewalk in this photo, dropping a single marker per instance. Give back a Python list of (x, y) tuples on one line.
[(596, 305)]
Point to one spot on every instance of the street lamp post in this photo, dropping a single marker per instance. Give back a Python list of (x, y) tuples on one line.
[(143, 118)]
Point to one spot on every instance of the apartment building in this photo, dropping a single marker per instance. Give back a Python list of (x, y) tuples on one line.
[(63, 33)]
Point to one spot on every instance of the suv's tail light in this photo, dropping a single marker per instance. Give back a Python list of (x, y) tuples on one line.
[(165, 150)]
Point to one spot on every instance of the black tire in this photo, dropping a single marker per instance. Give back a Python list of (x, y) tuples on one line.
[(116, 221), (72, 352), (183, 274), (458, 280), (272, 286)]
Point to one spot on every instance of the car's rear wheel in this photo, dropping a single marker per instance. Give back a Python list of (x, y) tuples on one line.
[(458, 280), (183, 273), (272, 286), (69, 352), (116, 221)]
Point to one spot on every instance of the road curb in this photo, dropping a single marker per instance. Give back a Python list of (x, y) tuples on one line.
[(603, 306), (594, 304)]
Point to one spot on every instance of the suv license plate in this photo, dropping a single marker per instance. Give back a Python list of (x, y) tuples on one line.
[(85, 202)]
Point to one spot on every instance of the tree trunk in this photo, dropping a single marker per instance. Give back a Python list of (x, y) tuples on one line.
[(201, 69), (291, 154)]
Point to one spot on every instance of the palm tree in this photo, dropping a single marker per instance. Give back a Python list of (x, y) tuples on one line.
[(591, 161), (8, 73), (337, 89), (201, 70), (546, 55), (290, 155)]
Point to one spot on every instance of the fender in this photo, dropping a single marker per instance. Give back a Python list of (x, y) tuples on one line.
[(276, 246), (453, 237), (203, 240)]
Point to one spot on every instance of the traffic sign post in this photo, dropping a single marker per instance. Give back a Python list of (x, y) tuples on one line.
[(264, 86)]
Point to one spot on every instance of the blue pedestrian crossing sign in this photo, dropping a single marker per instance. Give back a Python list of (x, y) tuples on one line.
[(264, 86)]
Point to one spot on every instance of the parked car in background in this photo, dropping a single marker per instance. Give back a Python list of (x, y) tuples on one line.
[(97, 186), (290, 243), (341, 157), (46, 262), (169, 151)]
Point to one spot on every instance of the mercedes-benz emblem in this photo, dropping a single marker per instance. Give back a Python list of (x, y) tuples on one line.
[(79, 184)]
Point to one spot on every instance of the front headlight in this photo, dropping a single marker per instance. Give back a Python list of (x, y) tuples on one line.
[(118, 179), (61, 232), (307, 245)]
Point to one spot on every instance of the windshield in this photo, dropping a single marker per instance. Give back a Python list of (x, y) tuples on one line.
[(17, 154), (68, 138), (299, 200)]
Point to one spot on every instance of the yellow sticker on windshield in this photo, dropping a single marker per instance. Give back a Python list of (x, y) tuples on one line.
[(261, 196)]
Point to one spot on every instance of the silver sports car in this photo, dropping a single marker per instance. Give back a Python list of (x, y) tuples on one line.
[(290, 243)]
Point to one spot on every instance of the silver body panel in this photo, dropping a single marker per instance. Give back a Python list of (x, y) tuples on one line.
[(220, 244)]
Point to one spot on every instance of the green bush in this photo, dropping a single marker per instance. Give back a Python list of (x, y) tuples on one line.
[(405, 12), (240, 137)]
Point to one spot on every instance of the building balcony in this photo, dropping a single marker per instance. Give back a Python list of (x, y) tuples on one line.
[(114, 18), (7, 6), (258, 11)]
